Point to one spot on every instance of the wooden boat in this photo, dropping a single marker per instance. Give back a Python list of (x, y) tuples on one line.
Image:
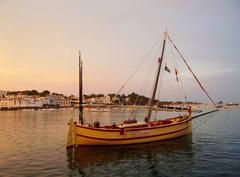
[(130, 131)]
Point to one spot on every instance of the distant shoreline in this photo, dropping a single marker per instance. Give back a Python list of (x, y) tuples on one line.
[(129, 107)]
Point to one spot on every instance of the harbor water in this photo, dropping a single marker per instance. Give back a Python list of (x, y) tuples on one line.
[(32, 143)]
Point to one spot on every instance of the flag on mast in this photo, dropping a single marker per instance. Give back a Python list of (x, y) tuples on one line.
[(166, 68), (176, 73)]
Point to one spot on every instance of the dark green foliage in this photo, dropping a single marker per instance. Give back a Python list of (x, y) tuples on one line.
[(45, 93)]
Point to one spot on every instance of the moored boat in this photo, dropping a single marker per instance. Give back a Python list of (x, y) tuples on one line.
[(130, 131)]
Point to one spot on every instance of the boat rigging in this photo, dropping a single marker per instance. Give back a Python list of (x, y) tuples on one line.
[(131, 131)]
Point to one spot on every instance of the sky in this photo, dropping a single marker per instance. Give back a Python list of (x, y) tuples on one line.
[(39, 43)]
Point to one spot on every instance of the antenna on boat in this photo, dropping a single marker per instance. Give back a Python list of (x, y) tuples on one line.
[(157, 78), (80, 90)]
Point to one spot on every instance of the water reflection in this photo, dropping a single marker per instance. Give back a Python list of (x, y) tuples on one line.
[(29, 139), (152, 154)]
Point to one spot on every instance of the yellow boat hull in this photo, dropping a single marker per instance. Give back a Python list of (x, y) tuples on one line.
[(83, 135)]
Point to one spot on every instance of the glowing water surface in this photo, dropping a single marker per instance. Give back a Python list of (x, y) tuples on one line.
[(32, 143)]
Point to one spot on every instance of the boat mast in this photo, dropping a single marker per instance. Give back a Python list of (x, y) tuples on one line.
[(80, 91), (157, 78)]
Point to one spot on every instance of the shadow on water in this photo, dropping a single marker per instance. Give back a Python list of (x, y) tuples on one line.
[(153, 153)]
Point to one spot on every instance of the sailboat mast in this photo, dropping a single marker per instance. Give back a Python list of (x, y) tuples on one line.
[(157, 78), (80, 91)]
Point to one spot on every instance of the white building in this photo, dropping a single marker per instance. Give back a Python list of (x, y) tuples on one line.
[(3, 93), (16, 103), (63, 102), (99, 100)]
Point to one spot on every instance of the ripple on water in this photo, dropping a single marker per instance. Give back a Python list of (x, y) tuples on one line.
[(29, 140)]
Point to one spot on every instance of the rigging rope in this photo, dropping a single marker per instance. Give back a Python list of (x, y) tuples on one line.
[(180, 79), (153, 85), (142, 61), (135, 70), (191, 71), (144, 87), (159, 86)]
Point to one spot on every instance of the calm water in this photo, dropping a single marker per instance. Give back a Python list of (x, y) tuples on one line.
[(32, 144)]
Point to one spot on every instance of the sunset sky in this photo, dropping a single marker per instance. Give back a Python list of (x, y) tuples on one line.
[(39, 43)]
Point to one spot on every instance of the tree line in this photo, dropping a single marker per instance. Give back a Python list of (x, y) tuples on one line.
[(32, 93)]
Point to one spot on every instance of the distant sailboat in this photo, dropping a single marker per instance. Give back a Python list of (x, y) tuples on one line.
[(130, 131)]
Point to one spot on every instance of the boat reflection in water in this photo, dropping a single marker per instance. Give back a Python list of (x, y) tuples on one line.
[(89, 156)]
